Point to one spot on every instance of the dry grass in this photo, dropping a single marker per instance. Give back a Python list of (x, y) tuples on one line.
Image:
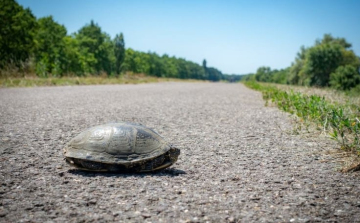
[(331, 95), (30, 81)]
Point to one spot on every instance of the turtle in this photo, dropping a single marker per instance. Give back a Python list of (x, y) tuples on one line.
[(120, 147)]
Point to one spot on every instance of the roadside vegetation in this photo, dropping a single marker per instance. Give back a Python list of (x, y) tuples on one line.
[(90, 80), (42, 47), (338, 120), (321, 88)]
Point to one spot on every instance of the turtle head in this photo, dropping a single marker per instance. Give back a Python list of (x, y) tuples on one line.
[(174, 154)]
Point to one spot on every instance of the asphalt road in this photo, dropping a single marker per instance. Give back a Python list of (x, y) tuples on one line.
[(239, 160)]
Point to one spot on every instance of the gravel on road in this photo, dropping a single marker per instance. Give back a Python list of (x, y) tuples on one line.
[(239, 160)]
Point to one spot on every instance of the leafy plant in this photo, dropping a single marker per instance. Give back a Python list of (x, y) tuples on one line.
[(341, 122), (345, 78)]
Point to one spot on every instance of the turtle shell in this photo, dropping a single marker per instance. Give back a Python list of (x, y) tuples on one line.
[(117, 143)]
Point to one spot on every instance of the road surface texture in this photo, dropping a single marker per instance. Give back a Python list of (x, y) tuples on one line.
[(239, 160)]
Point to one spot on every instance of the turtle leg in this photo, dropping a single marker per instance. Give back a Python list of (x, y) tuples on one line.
[(163, 166), (151, 164), (172, 157), (92, 165), (86, 165), (162, 161)]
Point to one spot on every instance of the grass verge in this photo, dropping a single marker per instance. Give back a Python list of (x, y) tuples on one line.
[(337, 119), (63, 81)]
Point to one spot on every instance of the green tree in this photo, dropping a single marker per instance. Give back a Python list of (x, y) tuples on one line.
[(248, 77), (119, 51), (209, 73), (107, 55), (156, 65), (320, 62), (169, 69), (296, 67), (345, 77), (142, 61), (329, 39), (94, 49), (294, 72), (263, 74), (314, 65), (214, 74), (204, 64), (183, 71), (165, 66), (280, 76), (49, 53), (206, 72), (72, 59), (129, 62), (17, 30)]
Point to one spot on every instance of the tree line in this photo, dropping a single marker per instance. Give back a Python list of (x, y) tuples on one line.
[(330, 62), (42, 46)]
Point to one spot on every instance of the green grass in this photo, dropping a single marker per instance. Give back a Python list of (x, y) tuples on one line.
[(63, 81), (338, 119)]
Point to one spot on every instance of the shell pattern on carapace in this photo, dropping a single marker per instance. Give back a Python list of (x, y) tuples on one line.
[(120, 147)]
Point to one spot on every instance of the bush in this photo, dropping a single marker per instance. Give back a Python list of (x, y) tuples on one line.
[(345, 78)]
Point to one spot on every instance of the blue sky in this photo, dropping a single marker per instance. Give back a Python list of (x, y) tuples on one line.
[(236, 37)]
